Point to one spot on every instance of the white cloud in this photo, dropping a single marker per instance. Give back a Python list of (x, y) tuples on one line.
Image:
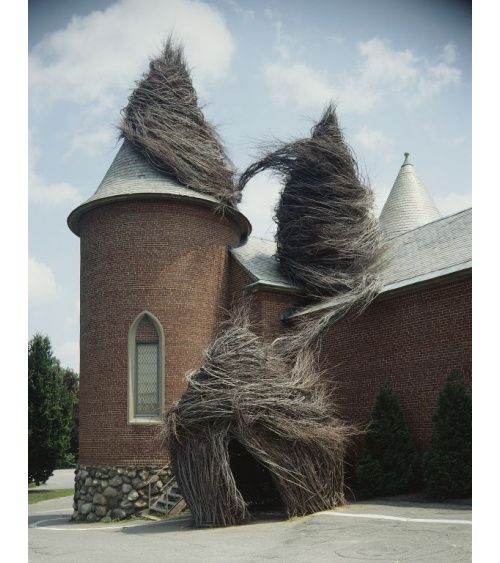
[(433, 81), (298, 84), (371, 139), (42, 284), (246, 15), (401, 75), (381, 74), (284, 44), (91, 142), (101, 54), (383, 66), (41, 191), (260, 197)]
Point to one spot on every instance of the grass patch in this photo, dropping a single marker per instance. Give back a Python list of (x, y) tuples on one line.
[(38, 496), (109, 520)]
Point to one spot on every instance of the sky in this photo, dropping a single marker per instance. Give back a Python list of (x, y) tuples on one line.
[(400, 72)]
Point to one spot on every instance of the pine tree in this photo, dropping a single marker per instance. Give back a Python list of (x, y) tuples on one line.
[(448, 463), (49, 411), (389, 462), (71, 383)]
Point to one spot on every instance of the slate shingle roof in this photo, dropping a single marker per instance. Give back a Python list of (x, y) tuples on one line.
[(256, 255), (130, 175), (409, 204), (445, 244), (430, 251)]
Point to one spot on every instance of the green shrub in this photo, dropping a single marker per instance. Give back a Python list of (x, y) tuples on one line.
[(389, 461), (72, 387), (448, 463), (49, 411)]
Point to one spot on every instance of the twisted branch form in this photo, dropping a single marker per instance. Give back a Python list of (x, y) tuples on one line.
[(283, 416), (328, 241), (307, 330), (270, 399), (165, 124)]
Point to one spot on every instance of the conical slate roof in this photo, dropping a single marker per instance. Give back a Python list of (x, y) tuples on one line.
[(130, 176), (409, 204)]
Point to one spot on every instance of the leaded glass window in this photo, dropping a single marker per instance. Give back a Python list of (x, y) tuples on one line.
[(146, 367), (147, 379)]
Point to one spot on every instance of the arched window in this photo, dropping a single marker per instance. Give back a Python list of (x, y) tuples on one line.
[(146, 370)]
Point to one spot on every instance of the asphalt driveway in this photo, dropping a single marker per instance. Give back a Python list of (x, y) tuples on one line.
[(384, 531), (61, 479)]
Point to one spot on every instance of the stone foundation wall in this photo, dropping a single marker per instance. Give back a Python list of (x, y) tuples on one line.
[(116, 492)]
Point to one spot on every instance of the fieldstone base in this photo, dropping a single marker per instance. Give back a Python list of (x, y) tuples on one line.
[(116, 492)]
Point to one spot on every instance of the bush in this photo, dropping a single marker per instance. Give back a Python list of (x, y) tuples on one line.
[(389, 461), (49, 411), (448, 463)]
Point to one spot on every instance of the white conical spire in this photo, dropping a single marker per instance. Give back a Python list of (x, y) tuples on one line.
[(409, 204)]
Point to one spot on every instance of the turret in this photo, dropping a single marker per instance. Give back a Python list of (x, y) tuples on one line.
[(409, 204), (154, 281)]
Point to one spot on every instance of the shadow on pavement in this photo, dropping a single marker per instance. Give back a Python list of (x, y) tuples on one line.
[(43, 520), (177, 525)]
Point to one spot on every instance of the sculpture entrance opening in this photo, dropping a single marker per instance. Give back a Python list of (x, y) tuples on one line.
[(254, 481)]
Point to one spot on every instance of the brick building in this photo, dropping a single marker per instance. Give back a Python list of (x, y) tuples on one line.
[(159, 265)]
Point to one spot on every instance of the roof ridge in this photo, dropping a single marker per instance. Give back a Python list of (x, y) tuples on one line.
[(432, 222)]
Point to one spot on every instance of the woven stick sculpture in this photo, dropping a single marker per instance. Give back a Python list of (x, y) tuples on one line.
[(270, 398), (328, 240), (268, 401), (282, 416), (165, 124)]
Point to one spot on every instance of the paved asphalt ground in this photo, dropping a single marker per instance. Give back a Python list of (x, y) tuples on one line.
[(386, 530), (62, 479)]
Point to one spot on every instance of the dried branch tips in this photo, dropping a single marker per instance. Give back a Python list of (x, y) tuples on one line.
[(166, 125)]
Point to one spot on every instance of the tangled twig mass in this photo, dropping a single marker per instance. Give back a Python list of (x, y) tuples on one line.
[(245, 394), (166, 125), (254, 403)]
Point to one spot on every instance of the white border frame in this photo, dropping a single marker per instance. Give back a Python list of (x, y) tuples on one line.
[(131, 416)]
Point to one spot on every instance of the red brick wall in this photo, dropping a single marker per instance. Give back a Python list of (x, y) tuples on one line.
[(171, 259), (266, 306), (239, 279), (269, 307), (412, 341)]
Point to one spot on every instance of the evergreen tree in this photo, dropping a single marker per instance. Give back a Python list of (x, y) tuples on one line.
[(49, 411), (448, 463), (72, 387), (389, 462)]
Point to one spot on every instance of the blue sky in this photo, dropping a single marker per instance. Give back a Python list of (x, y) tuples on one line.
[(399, 70)]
